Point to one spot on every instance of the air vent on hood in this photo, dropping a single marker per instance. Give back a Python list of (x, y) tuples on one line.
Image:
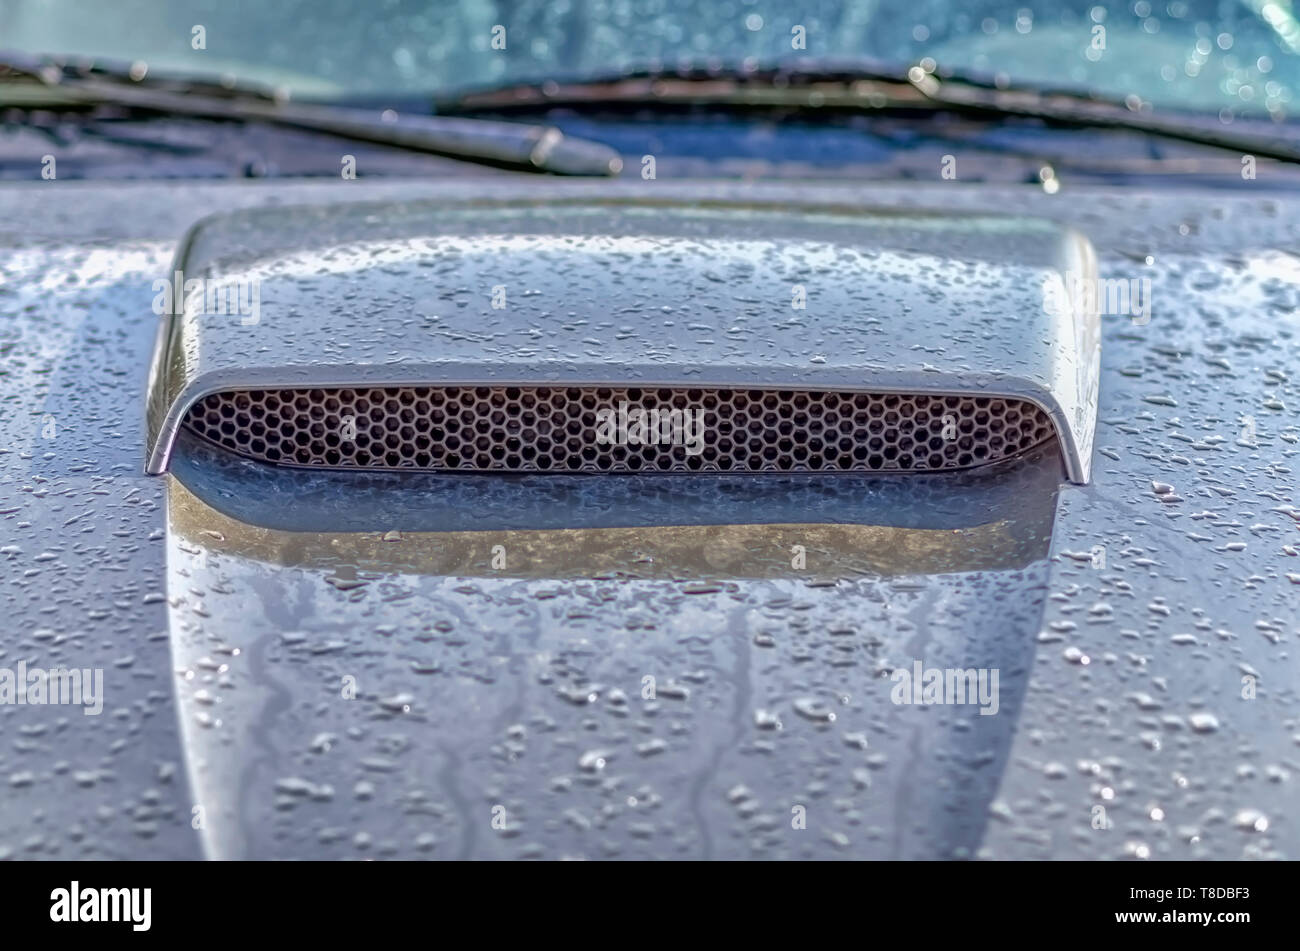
[(506, 335), (608, 429)]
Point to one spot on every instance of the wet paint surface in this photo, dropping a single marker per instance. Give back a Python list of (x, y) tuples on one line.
[(772, 693)]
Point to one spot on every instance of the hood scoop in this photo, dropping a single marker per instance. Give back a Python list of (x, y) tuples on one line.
[(625, 336)]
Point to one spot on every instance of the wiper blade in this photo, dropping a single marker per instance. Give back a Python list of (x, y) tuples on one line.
[(863, 86), (794, 84), (507, 144)]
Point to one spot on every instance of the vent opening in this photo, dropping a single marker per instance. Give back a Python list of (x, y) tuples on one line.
[(616, 429)]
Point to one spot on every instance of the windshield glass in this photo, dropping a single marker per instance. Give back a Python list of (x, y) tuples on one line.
[(1231, 57)]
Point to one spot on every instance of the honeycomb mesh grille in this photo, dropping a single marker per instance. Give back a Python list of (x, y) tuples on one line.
[(576, 429)]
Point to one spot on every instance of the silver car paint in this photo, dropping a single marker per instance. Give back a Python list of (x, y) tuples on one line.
[(1149, 695)]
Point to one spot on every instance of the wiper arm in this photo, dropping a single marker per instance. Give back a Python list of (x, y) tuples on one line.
[(507, 144), (866, 86), (1080, 111)]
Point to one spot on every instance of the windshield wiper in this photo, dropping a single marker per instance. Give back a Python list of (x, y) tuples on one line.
[(862, 86), (513, 145)]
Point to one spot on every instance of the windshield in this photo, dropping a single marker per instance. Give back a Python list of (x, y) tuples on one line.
[(1230, 57)]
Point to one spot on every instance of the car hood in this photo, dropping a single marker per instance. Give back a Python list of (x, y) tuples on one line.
[(363, 679)]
